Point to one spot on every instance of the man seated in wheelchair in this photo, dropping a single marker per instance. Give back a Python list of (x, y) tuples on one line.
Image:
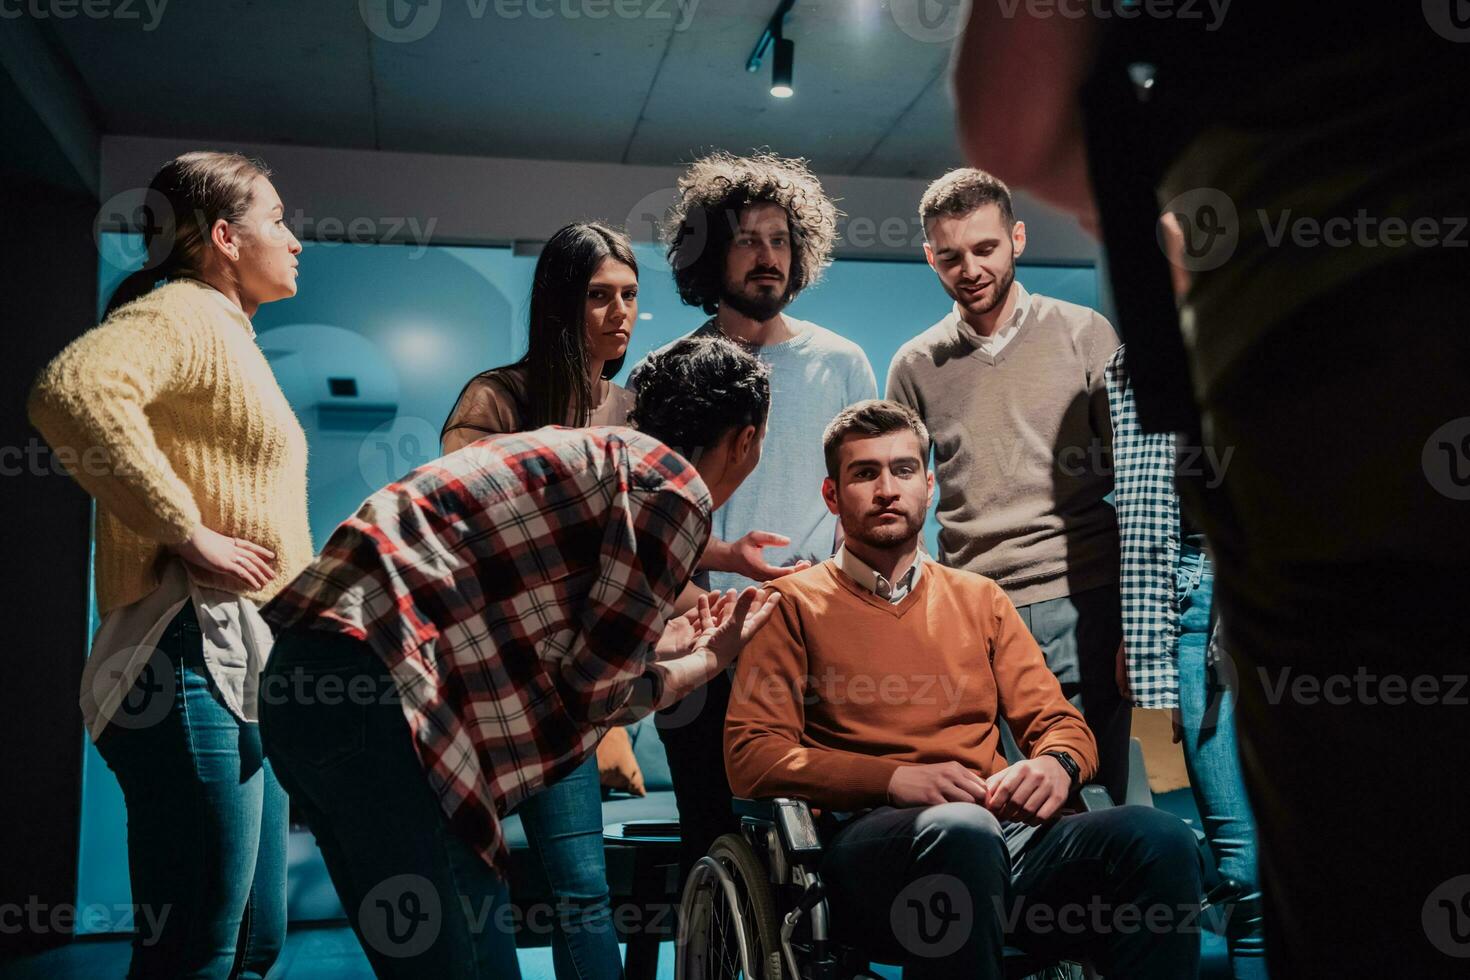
[(876, 693)]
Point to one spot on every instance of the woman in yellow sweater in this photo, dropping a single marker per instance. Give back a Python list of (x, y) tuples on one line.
[(198, 467)]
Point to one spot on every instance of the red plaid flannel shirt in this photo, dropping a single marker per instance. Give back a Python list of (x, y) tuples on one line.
[(514, 588)]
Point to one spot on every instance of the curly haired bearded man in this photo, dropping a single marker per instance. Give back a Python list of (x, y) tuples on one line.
[(745, 236)]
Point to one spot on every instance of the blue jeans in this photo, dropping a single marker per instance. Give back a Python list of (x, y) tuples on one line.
[(421, 901), (563, 825), (207, 821), (1207, 712)]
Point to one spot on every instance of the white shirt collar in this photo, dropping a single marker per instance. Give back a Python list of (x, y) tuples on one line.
[(863, 574), (1007, 330)]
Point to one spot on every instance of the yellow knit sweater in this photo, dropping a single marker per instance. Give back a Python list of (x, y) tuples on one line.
[(172, 418)]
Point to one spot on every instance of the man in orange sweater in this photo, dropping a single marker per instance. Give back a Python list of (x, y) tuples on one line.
[(876, 691)]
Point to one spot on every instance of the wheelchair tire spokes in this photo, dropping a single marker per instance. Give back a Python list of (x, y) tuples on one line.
[(727, 922)]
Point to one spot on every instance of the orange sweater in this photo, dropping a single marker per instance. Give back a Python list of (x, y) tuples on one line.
[(841, 688)]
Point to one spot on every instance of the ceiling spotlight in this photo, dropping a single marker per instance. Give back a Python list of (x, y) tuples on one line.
[(770, 37), (781, 68)]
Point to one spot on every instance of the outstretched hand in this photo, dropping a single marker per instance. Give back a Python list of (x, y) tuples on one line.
[(727, 624), (743, 557), (678, 637)]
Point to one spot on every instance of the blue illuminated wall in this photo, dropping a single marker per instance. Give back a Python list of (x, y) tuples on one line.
[(410, 325)]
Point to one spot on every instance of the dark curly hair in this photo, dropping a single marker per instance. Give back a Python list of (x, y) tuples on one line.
[(703, 220), (696, 390)]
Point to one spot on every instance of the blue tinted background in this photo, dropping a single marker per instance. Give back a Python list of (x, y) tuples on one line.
[(410, 325)]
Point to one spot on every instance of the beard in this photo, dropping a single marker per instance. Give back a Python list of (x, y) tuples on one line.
[(998, 293), (760, 303), (884, 536)]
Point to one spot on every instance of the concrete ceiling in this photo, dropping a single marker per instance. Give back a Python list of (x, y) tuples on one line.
[(621, 81)]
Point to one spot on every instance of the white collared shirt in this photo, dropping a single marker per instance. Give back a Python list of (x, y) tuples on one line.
[(993, 344), (861, 573)]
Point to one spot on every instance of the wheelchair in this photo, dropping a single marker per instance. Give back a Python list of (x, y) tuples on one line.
[(755, 906)]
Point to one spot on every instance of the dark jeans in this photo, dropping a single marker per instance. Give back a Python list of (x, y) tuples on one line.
[(206, 821), (563, 825), (693, 733), (940, 889), (1342, 543), (1079, 636), (422, 902)]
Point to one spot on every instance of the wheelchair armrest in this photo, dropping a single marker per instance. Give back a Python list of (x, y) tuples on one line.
[(763, 810), (792, 819), (1095, 797)]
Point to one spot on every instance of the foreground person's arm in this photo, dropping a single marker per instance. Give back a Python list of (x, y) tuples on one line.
[(1034, 67)]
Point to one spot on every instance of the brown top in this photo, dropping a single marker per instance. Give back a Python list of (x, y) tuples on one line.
[(841, 688), (493, 403)]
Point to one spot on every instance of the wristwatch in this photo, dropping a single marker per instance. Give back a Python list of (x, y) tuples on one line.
[(1068, 763)]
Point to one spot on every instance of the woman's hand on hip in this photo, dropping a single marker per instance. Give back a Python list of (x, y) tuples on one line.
[(235, 559)]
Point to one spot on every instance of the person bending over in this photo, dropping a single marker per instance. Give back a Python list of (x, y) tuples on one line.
[(468, 636), (584, 304), (877, 692)]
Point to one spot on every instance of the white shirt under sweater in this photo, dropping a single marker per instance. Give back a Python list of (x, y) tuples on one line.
[(990, 346), (866, 576)]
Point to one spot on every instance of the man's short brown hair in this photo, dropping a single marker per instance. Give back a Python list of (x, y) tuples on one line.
[(961, 191), (873, 417)]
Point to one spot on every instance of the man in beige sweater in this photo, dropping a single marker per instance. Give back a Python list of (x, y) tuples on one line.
[(877, 692), (1011, 386)]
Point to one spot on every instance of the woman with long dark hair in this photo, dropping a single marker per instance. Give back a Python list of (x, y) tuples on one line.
[(198, 467), (584, 301)]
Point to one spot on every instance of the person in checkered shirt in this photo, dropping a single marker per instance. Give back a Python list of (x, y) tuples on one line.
[(1171, 655), (466, 638)]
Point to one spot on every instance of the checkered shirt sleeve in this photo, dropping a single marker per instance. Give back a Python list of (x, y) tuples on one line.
[(1148, 527)]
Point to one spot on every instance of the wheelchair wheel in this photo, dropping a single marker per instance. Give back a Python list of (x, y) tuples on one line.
[(727, 918)]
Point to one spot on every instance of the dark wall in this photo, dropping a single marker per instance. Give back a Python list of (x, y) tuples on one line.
[(47, 296)]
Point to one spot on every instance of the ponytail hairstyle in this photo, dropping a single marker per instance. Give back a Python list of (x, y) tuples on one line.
[(184, 200), (557, 386)]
